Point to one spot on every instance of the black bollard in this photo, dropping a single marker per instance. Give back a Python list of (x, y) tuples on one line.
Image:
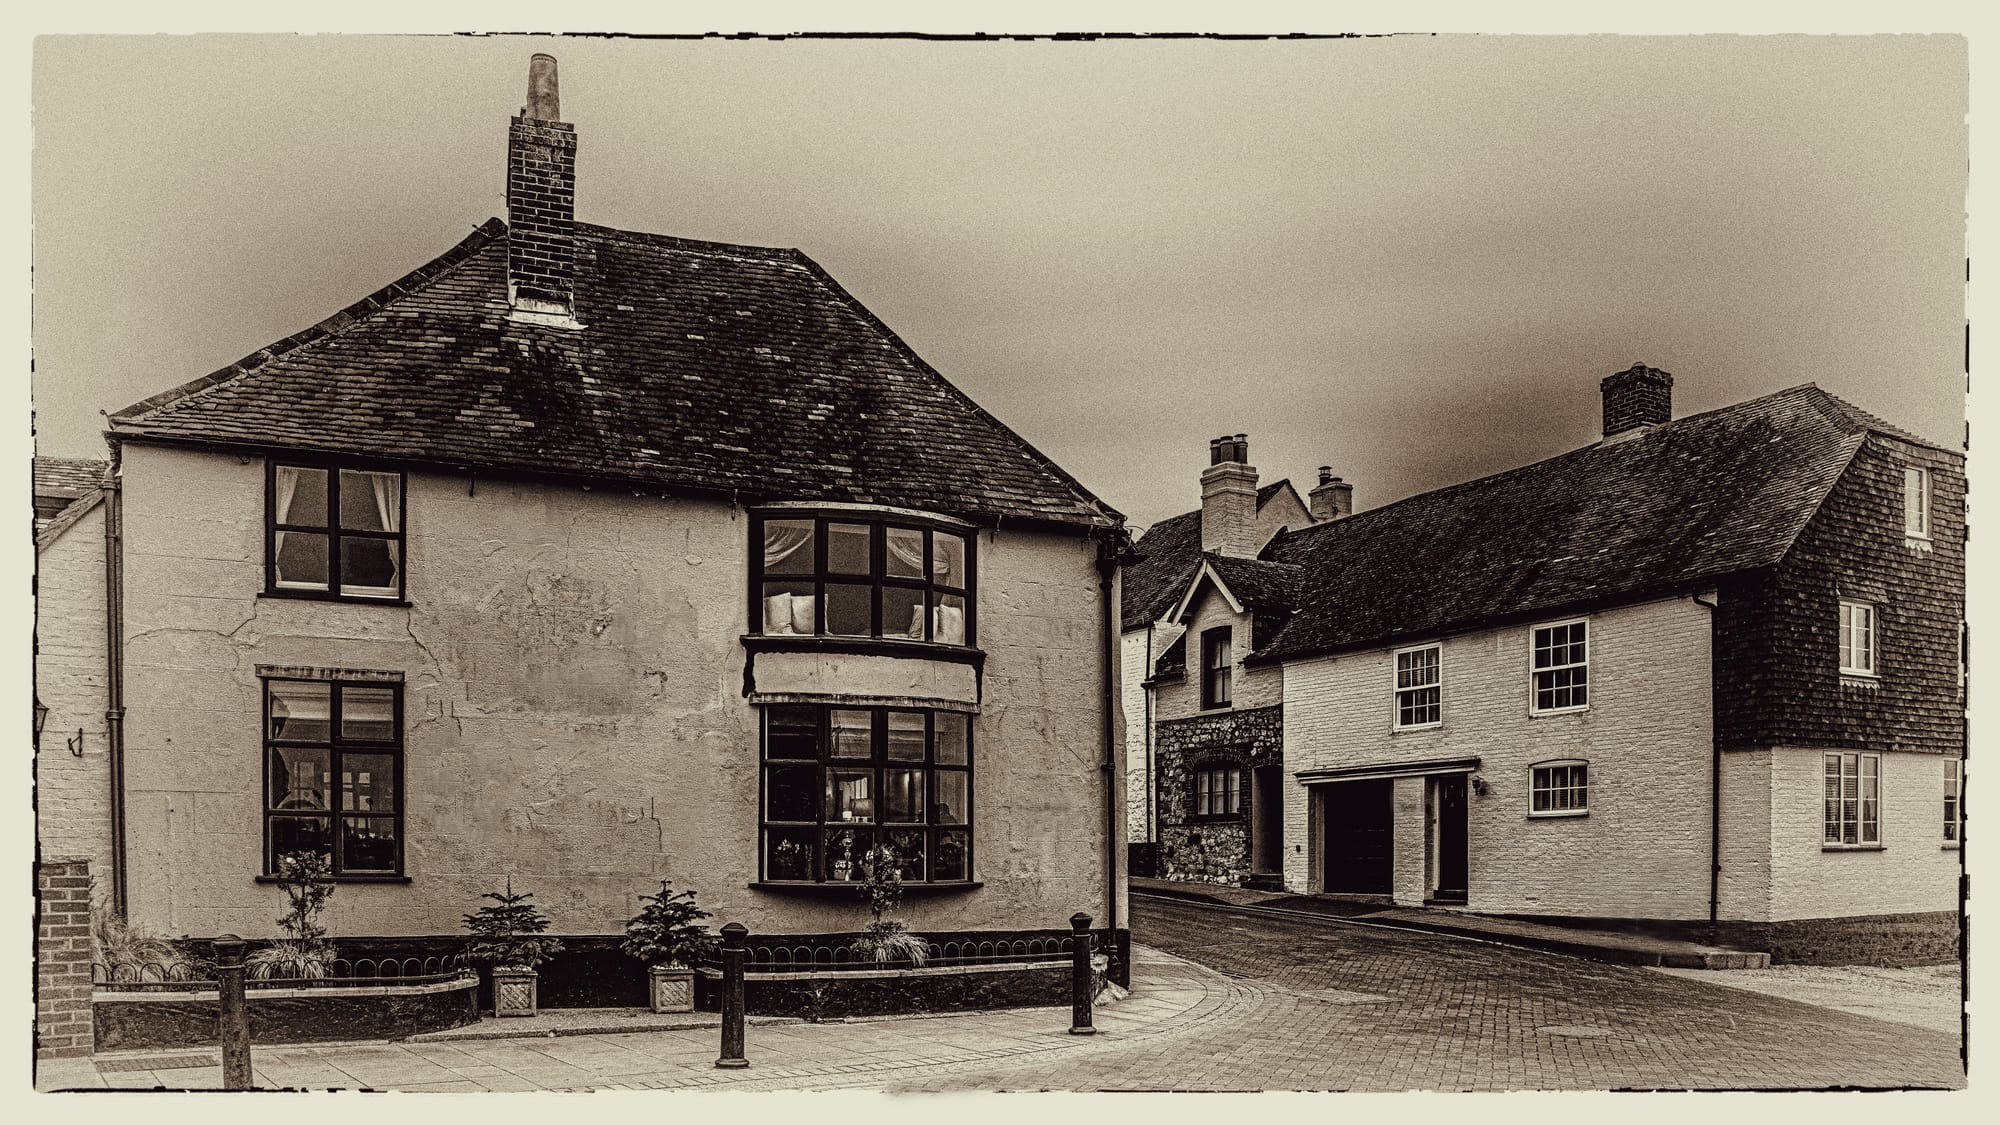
[(1079, 975), (232, 1013), (732, 997)]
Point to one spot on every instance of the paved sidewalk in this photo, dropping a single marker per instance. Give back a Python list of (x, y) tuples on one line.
[(1170, 996), (1600, 945)]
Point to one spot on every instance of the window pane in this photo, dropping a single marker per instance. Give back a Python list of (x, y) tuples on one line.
[(371, 501), (788, 547), (847, 548), (300, 834), (367, 782), (952, 729), (948, 620), (906, 552), (790, 792), (903, 796), (903, 612), (367, 843), (845, 848), (301, 496), (851, 731), (948, 559), (848, 609), (368, 713), (300, 711), (954, 846), (301, 562), (300, 778), (788, 608), (908, 847), (792, 732), (906, 736), (948, 800), (788, 854), (368, 567), (850, 795)]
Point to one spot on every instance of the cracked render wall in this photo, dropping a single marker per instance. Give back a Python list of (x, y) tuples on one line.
[(573, 705)]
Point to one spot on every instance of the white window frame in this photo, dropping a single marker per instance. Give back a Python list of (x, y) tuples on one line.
[(1212, 802), (1535, 673), (1398, 689), (1864, 623), (1954, 801), (1542, 772), (1835, 819), (1916, 517)]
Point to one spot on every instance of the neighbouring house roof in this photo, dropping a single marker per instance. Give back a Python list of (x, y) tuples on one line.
[(736, 370), (65, 489), (1668, 509), (1172, 550)]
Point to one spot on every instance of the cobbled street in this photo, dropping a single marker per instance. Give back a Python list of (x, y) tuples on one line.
[(1313, 1006)]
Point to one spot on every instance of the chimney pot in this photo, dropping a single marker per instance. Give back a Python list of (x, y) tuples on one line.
[(544, 104), (1325, 473)]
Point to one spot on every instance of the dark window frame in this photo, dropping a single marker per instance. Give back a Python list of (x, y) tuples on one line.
[(333, 532), (1203, 802), (1217, 689), (877, 580), (878, 763), (336, 745)]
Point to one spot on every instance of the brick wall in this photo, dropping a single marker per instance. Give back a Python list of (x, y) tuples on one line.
[(62, 958), (73, 791), (1777, 659), (1913, 871), (541, 208), (1210, 849)]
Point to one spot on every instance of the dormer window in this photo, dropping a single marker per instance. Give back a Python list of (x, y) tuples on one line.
[(1917, 503), (334, 532), (861, 574)]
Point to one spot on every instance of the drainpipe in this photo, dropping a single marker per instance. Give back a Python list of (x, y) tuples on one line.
[(1152, 813), (114, 669), (1714, 780), (1110, 545)]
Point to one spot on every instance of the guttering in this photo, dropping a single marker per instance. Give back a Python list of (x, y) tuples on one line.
[(1714, 775), (114, 669)]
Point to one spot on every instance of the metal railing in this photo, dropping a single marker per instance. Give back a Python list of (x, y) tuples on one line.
[(819, 957), (340, 972)]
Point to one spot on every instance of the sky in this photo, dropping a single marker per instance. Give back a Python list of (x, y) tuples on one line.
[(1409, 258)]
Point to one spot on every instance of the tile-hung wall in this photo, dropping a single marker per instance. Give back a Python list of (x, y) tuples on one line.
[(573, 706)]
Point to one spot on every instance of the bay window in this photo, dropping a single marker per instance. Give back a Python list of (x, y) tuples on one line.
[(860, 575)]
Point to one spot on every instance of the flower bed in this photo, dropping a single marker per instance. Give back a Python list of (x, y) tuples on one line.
[(364, 1002)]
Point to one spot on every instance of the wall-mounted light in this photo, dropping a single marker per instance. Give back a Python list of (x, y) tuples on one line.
[(1479, 785), (41, 716)]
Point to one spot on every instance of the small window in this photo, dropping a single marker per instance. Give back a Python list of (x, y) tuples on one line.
[(1853, 800), (1215, 667), (1419, 680), (1218, 791), (1559, 789), (335, 533), (1561, 667), (1954, 808), (1857, 639), (855, 576), (1917, 503), (333, 766)]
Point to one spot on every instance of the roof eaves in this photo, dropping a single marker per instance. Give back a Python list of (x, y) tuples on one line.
[(67, 518)]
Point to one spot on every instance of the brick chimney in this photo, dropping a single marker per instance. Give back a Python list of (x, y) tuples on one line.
[(1229, 499), (541, 199), (1636, 397), (1331, 499)]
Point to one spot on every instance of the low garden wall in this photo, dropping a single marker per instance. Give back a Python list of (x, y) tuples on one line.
[(128, 1016)]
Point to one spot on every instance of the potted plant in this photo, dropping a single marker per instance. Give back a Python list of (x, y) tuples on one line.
[(305, 877), (504, 936), (666, 936), (882, 888)]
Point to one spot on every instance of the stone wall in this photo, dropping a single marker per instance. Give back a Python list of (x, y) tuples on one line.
[(1210, 849), (62, 958)]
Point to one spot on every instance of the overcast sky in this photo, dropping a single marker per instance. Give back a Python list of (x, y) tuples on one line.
[(1409, 258)]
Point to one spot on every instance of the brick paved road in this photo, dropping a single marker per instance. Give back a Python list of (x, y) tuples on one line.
[(1320, 1006)]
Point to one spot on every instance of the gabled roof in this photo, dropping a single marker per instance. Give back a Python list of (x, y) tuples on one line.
[(1252, 584), (739, 371), (1668, 509), (1172, 550)]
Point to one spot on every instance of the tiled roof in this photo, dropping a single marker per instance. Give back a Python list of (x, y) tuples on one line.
[(741, 371), (1259, 585), (1172, 550), (1665, 510), (69, 476)]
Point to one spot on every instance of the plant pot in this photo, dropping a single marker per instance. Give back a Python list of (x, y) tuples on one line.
[(671, 987), (513, 991)]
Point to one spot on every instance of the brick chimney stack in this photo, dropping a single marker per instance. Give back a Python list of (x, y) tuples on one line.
[(1229, 499), (541, 199), (1636, 397), (1331, 499)]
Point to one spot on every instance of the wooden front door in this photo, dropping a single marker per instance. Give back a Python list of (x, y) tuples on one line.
[(1448, 797), (1359, 819)]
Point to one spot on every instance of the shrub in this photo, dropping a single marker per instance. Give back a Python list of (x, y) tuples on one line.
[(306, 953), (882, 890), (666, 930), (131, 952), (504, 934)]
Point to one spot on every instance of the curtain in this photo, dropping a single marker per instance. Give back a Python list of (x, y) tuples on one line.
[(913, 557), (385, 500), (781, 543), (288, 484)]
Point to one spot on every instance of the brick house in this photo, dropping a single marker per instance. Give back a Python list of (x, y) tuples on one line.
[(1705, 668), (589, 557)]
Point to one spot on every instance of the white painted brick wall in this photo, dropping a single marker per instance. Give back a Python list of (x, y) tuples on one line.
[(73, 795), (1911, 872), (1643, 849), (1132, 704)]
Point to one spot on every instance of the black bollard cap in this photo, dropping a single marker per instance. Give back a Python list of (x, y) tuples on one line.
[(1079, 921)]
